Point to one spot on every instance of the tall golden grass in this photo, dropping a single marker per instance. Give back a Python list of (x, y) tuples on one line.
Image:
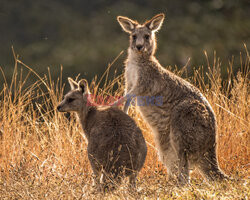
[(43, 154)]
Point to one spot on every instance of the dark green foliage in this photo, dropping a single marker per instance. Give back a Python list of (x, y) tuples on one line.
[(84, 36)]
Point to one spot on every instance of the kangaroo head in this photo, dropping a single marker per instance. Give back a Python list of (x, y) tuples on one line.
[(77, 98), (142, 36)]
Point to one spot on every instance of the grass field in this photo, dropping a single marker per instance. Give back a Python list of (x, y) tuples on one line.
[(43, 154)]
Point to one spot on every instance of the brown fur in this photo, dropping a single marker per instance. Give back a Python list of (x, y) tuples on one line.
[(116, 146), (184, 126)]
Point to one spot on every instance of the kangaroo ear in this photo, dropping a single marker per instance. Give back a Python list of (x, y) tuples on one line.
[(155, 23), (128, 25), (72, 83), (83, 86)]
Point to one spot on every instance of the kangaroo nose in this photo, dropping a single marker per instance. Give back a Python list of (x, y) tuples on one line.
[(139, 47), (58, 108)]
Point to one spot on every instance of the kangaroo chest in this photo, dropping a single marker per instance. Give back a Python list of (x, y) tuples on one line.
[(131, 74)]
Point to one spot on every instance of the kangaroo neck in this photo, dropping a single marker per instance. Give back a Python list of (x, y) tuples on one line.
[(84, 118), (141, 61), (139, 57)]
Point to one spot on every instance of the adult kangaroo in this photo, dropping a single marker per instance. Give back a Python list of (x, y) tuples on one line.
[(184, 124)]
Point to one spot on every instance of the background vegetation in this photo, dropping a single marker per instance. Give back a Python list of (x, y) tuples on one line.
[(43, 154), (84, 36)]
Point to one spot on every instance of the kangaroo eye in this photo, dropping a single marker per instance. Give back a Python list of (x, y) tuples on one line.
[(146, 37), (70, 100), (134, 37)]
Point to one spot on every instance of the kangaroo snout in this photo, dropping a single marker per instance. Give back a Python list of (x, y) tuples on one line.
[(139, 47), (59, 108)]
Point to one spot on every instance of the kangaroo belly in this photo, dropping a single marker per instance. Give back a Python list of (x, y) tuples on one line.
[(159, 121)]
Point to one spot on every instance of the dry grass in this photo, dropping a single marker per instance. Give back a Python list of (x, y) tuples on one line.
[(43, 154)]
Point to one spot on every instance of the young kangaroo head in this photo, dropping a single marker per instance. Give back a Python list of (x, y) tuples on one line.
[(142, 36), (76, 99)]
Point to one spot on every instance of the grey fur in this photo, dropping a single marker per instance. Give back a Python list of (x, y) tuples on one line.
[(184, 126), (116, 146)]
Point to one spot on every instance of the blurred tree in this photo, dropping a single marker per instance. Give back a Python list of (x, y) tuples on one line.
[(84, 36)]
